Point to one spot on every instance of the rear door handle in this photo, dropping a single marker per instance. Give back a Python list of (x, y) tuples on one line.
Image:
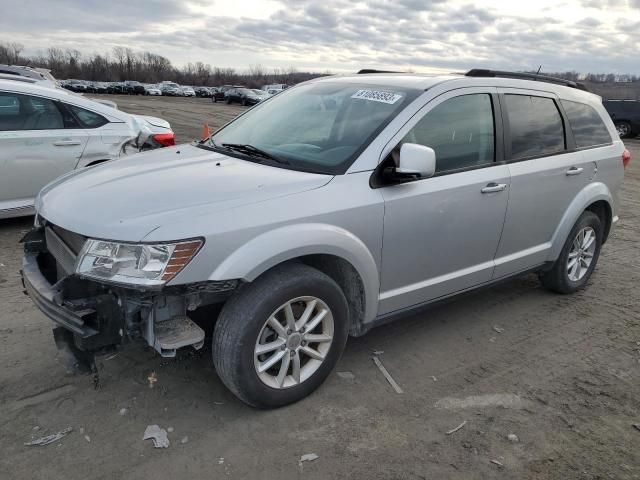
[(67, 143), (574, 171), (494, 187)]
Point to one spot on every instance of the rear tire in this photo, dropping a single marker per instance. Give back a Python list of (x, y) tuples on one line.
[(578, 258), (624, 129), (244, 329)]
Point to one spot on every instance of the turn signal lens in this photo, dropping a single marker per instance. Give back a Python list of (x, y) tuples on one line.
[(182, 254)]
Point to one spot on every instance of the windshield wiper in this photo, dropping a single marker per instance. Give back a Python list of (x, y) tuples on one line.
[(254, 151)]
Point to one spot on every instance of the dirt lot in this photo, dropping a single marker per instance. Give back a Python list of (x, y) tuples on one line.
[(560, 372), (186, 115)]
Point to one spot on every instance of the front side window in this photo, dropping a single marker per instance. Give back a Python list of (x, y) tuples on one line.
[(460, 130), (87, 118), (24, 112), (317, 127), (587, 126), (536, 126)]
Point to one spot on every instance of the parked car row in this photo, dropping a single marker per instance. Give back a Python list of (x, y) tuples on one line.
[(227, 93)]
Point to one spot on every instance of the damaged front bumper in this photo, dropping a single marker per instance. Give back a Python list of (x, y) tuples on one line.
[(94, 317)]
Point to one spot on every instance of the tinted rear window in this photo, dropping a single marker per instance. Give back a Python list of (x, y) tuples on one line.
[(587, 126), (536, 126)]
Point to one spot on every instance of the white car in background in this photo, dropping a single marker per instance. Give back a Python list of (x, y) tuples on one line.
[(46, 132), (188, 92), (152, 90)]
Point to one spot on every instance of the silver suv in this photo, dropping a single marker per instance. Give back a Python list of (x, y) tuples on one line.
[(337, 205)]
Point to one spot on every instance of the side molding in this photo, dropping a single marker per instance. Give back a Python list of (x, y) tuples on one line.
[(292, 241)]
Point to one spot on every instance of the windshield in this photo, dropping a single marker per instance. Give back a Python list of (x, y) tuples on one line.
[(319, 127)]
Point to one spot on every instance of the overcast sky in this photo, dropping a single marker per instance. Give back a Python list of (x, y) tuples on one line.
[(343, 35)]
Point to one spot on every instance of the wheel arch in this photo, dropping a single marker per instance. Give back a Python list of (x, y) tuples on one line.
[(596, 198), (332, 250), (603, 210)]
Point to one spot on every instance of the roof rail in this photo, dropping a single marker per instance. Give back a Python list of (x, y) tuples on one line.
[(479, 72), (372, 70)]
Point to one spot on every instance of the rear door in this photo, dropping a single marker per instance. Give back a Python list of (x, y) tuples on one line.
[(547, 172), (38, 143)]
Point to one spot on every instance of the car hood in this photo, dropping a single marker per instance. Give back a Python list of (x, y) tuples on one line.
[(127, 199)]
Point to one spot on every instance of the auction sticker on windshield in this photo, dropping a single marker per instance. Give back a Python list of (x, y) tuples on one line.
[(377, 96)]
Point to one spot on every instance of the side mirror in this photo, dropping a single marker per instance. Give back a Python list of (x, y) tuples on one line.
[(416, 161)]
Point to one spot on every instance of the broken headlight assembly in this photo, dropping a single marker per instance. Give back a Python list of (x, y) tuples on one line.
[(135, 264)]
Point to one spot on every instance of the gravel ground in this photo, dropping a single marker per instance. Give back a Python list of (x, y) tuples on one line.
[(186, 115), (562, 373)]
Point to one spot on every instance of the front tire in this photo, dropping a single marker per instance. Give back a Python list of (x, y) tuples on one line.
[(579, 256), (280, 336)]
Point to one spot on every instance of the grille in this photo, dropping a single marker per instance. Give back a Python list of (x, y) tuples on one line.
[(73, 240), (65, 257)]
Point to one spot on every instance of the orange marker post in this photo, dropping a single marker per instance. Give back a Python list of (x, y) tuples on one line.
[(205, 131)]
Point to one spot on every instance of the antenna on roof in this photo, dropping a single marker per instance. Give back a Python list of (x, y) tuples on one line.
[(539, 68)]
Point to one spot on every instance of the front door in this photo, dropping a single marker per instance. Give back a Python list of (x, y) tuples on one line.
[(441, 233)]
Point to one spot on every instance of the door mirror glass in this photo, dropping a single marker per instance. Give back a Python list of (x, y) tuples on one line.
[(416, 160)]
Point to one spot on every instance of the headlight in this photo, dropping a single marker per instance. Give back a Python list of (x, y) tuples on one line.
[(139, 264)]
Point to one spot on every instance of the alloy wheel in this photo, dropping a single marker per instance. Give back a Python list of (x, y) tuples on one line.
[(293, 342), (581, 254)]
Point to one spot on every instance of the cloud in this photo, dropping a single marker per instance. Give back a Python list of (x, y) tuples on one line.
[(89, 15), (583, 35)]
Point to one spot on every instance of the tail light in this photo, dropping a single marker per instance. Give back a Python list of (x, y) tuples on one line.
[(165, 139), (626, 158)]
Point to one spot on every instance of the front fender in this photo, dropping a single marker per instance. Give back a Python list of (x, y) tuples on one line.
[(286, 243), (588, 195)]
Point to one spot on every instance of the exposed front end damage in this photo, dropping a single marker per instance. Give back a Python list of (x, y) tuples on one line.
[(93, 317)]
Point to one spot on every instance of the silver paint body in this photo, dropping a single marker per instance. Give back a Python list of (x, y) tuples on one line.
[(30, 159), (410, 243)]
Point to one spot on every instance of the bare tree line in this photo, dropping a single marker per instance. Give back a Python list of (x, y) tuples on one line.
[(123, 63), (597, 77), (608, 85)]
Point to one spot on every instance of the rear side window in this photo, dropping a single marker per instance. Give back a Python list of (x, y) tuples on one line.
[(9, 106), (536, 126), (460, 130), (587, 126), (24, 112), (87, 118)]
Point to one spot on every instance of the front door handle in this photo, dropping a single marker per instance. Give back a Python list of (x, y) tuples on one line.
[(574, 171), (67, 143), (494, 187)]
